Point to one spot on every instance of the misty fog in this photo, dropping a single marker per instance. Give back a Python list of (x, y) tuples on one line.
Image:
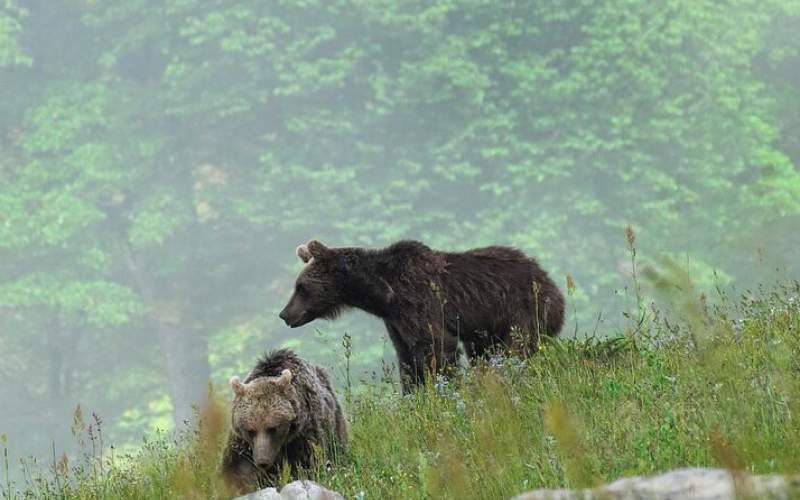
[(160, 162)]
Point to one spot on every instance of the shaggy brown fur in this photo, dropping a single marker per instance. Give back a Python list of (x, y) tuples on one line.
[(429, 300), (282, 410)]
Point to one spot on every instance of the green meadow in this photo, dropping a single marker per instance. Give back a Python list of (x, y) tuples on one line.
[(711, 386)]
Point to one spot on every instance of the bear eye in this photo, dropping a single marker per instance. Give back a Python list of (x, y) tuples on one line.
[(301, 290), (272, 430)]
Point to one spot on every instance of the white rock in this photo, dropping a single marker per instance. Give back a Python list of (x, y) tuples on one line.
[(297, 490), (694, 484), (265, 494), (308, 490)]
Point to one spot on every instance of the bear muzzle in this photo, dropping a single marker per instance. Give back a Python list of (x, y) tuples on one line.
[(294, 320), (264, 450)]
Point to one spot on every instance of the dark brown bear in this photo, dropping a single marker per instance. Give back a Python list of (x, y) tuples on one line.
[(280, 413), (429, 300)]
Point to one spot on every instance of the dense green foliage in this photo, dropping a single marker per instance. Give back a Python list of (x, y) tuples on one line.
[(581, 412), (160, 160)]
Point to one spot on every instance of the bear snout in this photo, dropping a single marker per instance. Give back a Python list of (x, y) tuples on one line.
[(262, 460), (288, 317), (293, 319), (263, 451)]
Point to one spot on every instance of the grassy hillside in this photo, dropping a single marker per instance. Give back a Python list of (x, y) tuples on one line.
[(704, 386)]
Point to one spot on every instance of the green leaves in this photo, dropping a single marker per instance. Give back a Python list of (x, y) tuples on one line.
[(158, 217), (97, 302), (11, 51), (65, 116)]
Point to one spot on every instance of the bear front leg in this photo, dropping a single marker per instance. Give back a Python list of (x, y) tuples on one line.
[(421, 362), (438, 356), (412, 369), (243, 478), (238, 471), (421, 349), (429, 357), (410, 377)]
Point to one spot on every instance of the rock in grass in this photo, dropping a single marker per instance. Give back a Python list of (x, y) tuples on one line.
[(297, 490), (695, 483)]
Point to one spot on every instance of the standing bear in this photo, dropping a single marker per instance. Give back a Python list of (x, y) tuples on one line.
[(283, 410), (430, 300)]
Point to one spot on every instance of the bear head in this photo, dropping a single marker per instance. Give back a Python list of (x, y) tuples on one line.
[(333, 279), (318, 288), (263, 415)]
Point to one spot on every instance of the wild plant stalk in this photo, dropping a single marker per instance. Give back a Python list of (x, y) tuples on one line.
[(78, 426), (99, 426), (8, 493), (443, 331), (92, 459), (441, 299), (56, 471), (387, 369), (347, 343), (526, 351), (630, 236), (431, 368), (571, 295), (641, 312)]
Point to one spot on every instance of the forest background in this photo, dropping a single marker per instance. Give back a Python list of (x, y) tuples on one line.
[(160, 161)]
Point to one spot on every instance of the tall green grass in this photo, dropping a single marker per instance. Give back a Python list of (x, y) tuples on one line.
[(701, 386), (584, 412)]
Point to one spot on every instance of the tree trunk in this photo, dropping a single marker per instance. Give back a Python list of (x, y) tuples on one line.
[(186, 365), (54, 361), (184, 350)]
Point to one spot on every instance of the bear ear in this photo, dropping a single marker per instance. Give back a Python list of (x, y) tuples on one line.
[(285, 378), (237, 385), (317, 249), (304, 254)]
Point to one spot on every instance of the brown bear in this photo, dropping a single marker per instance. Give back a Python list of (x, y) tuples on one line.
[(430, 300), (283, 410)]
